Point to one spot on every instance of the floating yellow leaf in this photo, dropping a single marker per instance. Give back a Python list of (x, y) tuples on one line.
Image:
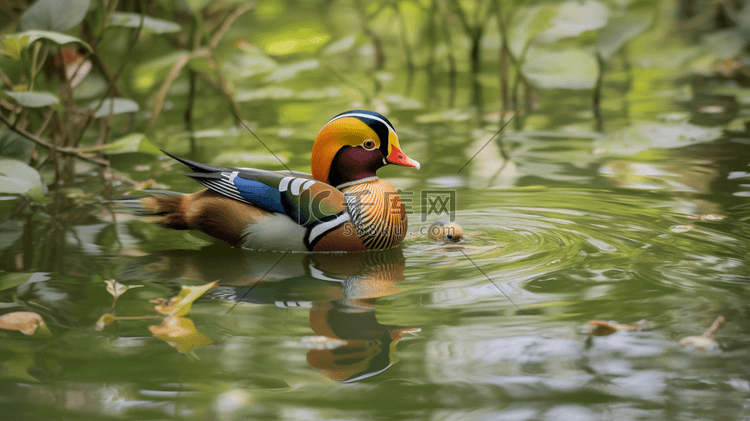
[(12, 46), (603, 328), (708, 339), (180, 333), (144, 184), (180, 305), (708, 217), (117, 289), (26, 322), (681, 228)]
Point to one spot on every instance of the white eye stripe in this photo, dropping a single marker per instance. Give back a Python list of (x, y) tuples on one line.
[(371, 117)]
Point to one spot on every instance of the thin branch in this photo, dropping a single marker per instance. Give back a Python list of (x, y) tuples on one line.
[(219, 34), (6, 80), (171, 77), (205, 52), (63, 150), (45, 123), (462, 17), (224, 84)]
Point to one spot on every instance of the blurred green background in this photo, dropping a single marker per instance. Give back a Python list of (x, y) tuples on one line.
[(617, 190)]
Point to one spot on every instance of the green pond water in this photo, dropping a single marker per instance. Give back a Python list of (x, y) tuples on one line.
[(649, 219)]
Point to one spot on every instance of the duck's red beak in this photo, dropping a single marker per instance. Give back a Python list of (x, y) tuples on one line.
[(396, 157)]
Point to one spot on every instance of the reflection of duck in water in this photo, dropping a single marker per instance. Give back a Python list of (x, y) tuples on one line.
[(338, 289), (369, 344)]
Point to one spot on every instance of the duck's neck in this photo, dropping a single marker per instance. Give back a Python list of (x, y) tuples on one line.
[(351, 165)]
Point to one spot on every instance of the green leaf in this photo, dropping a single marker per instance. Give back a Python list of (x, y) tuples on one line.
[(10, 280), (570, 69), (574, 18), (197, 5), (290, 71), (617, 33), (19, 178), (115, 106), (641, 136), (10, 231), (134, 142), (339, 46), (294, 38), (54, 15), (12, 46), (149, 73), (56, 37), (34, 99), (241, 66), (529, 23), (728, 43), (13, 145), (133, 20)]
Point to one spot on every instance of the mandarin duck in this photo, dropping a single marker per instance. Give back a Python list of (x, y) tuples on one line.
[(342, 206)]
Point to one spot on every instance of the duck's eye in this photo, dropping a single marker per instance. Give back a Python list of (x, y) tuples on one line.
[(368, 144), (449, 236)]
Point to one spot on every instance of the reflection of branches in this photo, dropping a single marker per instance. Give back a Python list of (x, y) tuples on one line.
[(405, 40), (475, 32), (451, 57), (377, 42)]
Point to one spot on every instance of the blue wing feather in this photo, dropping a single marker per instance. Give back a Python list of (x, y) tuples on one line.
[(268, 190), (260, 194)]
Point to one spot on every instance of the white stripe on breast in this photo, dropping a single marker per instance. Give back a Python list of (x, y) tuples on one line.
[(319, 229)]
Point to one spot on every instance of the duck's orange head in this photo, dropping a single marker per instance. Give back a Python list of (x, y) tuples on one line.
[(353, 145)]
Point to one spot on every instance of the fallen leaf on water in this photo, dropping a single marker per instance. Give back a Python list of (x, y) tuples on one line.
[(26, 322), (180, 333), (144, 184), (117, 289), (681, 228), (709, 217), (180, 305), (604, 328), (708, 339), (711, 109)]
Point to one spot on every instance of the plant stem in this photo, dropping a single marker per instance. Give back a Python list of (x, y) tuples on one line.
[(597, 97)]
